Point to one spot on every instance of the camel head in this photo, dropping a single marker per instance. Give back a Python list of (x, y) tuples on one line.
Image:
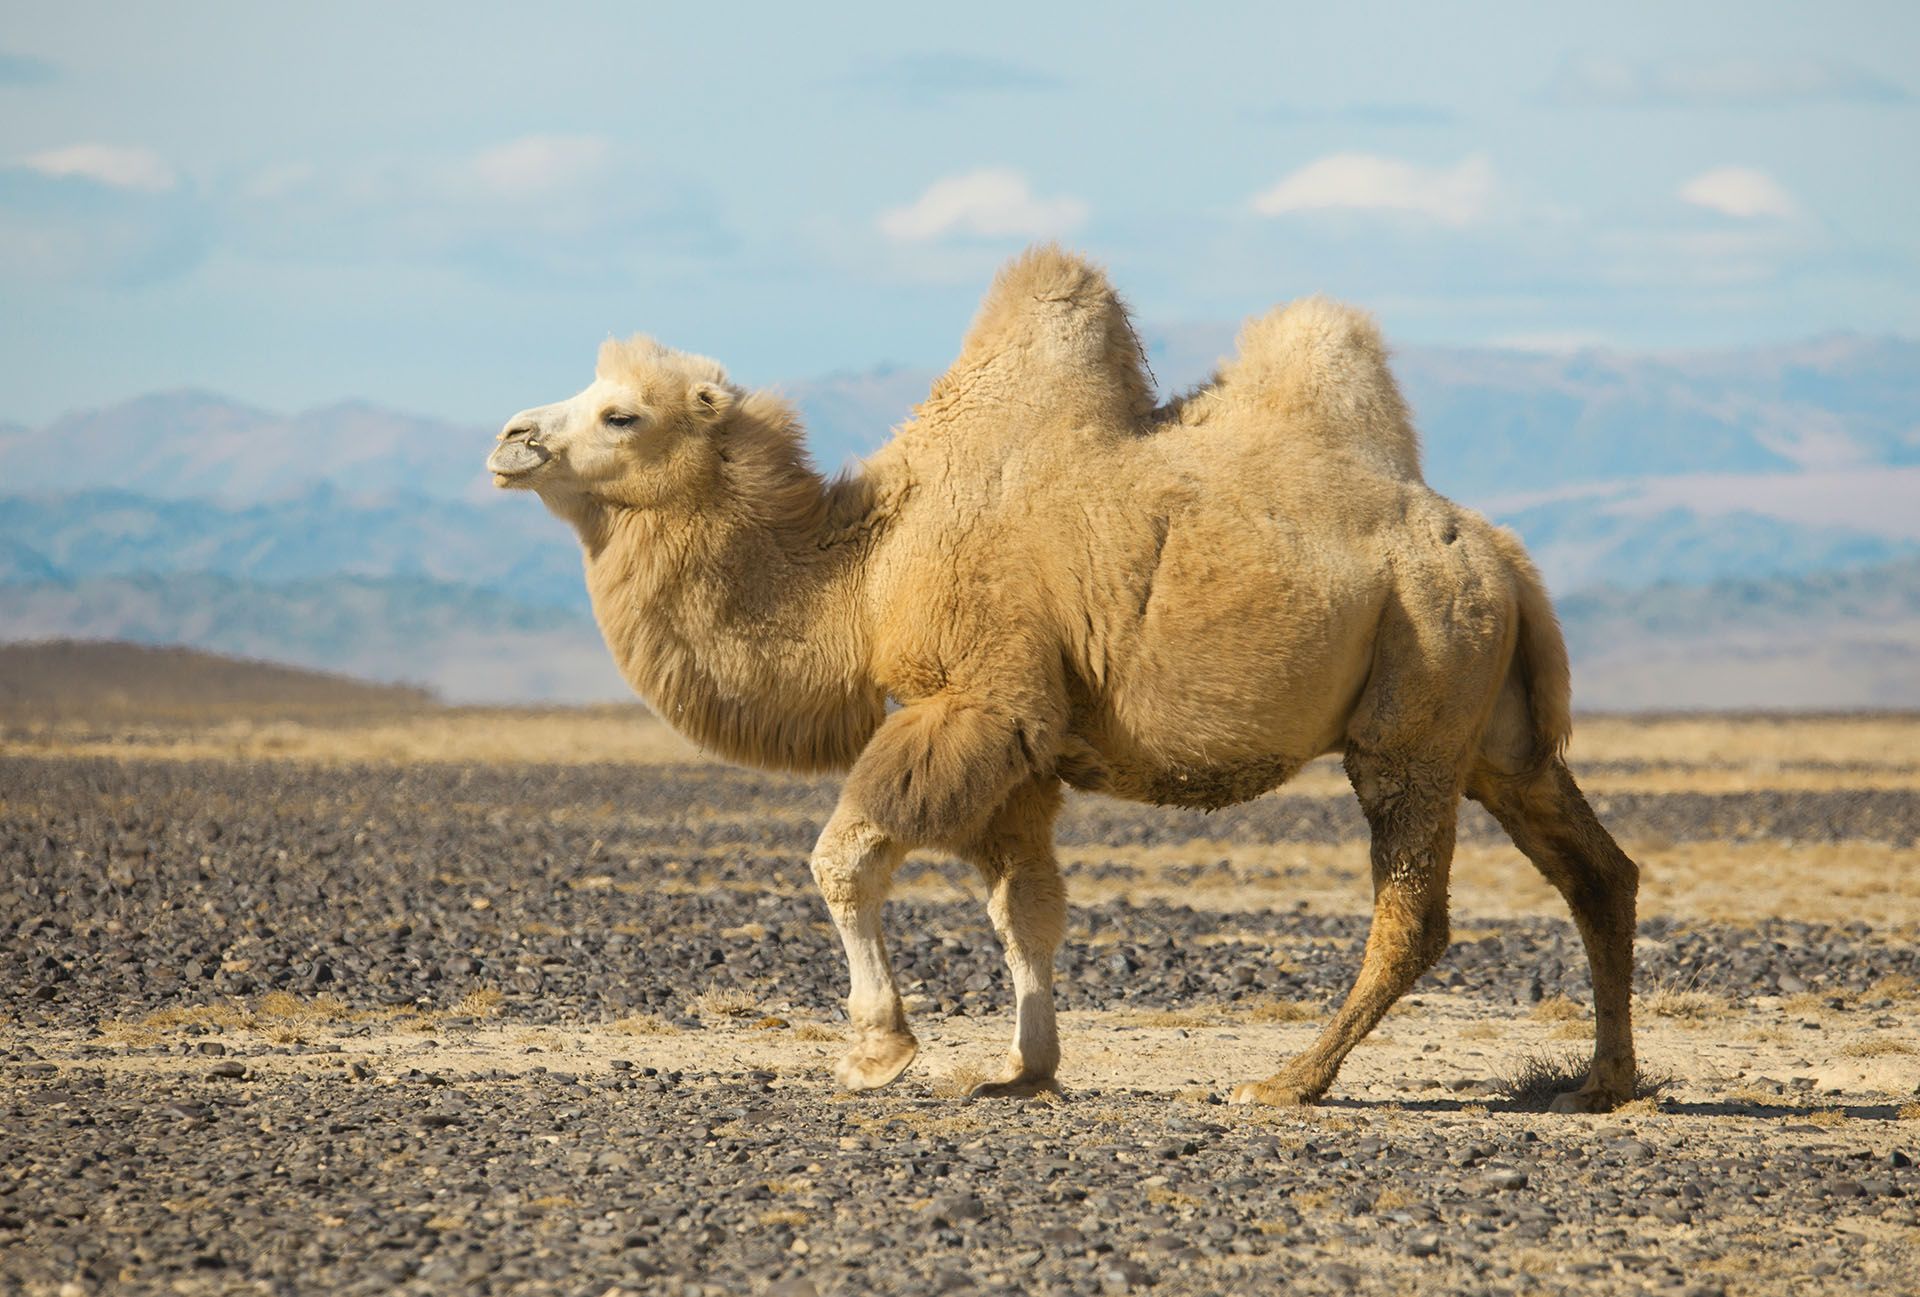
[(639, 435)]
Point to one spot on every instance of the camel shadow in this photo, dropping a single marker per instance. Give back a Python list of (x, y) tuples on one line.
[(1666, 1108)]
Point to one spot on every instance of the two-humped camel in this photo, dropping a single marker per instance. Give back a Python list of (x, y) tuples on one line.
[(1058, 583)]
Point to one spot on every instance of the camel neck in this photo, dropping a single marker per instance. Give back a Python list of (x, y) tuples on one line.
[(741, 627)]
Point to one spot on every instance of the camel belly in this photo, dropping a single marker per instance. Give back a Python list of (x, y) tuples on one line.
[(1242, 661)]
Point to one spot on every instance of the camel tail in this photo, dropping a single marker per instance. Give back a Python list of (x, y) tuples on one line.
[(1541, 656), (1319, 369)]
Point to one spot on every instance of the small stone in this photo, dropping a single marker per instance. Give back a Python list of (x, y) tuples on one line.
[(1423, 1245), (953, 1208), (1505, 1178), (1123, 1277), (228, 1071)]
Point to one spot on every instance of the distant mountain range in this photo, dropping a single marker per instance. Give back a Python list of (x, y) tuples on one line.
[(367, 540), (1832, 640)]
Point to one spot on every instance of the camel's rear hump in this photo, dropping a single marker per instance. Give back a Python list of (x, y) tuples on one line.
[(1316, 368)]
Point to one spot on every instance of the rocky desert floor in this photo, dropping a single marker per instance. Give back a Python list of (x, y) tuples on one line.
[(502, 1002)]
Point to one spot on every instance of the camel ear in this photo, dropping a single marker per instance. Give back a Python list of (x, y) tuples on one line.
[(711, 401)]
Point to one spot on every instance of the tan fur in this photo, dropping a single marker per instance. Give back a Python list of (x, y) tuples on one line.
[(1055, 582)]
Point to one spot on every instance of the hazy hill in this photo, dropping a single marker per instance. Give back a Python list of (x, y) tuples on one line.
[(193, 445), (1846, 639), (101, 680), (471, 645)]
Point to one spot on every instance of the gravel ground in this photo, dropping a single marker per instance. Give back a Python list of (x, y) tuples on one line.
[(197, 957)]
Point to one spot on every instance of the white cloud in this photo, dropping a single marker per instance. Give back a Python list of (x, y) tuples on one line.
[(1457, 195), (991, 203), (1741, 192), (537, 165), (141, 170)]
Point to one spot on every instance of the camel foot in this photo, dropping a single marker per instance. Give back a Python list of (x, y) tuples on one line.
[(1276, 1092), (1597, 1099), (1015, 1087), (875, 1061)]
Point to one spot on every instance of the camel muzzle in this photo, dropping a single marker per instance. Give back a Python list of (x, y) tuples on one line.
[(518, 453)]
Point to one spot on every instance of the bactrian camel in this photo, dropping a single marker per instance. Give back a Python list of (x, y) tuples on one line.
[(1054, 582)]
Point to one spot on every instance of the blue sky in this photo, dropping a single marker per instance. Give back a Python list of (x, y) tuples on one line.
[(445, 207)]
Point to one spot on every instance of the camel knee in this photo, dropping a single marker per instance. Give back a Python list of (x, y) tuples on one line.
[(852, 863)]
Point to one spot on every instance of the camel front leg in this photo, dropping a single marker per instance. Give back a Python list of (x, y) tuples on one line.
[(1028, 906), (1029, 912), (853, 865)]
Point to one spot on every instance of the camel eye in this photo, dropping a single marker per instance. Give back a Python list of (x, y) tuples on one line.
[(615, 419)]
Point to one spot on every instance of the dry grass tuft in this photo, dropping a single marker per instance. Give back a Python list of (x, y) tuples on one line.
[(482, 1002), (1894, 986), (277, 1014), (1557, 1008), (816, 1031), (1267, 1008), (1875, 1047), (1910, 1112), (724, 1002), (1161, 1196), (958, 1082), (784, 1216), (1393, 1198), (643, 1024), (1539, 1078), (1687, 1005)]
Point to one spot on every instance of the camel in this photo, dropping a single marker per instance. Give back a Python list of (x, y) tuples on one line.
[(1045, 580)]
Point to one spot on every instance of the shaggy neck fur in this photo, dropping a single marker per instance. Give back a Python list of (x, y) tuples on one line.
[(737, 617)]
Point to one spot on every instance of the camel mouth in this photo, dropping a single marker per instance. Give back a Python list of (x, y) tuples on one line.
[(515, 457)]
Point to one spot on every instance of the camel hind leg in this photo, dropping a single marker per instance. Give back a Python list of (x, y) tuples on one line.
[(1411, 805), (1542, 809)]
